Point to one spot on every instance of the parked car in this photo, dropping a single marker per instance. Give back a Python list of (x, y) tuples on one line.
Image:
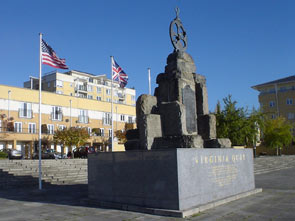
[(57, 155), (47, 154), (14, 154), (91, 150), (81, 152)]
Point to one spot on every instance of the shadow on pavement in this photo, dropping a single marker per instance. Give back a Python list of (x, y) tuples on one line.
[(73, 195)]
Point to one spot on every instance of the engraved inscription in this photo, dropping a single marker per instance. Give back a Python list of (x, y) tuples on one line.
[(222, 169), (223, 174)]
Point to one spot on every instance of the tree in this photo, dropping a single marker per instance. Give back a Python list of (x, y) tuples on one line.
[(277, 133), (121, 134), (236, 123), (71, 137)]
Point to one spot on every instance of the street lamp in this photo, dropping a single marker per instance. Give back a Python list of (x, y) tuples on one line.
[(9, 92), (70, 113)]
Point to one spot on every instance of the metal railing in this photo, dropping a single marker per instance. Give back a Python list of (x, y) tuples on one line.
[(25, 113), (83, 119)]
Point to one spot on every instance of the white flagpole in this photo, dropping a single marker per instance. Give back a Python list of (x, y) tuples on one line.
[(112, 137), (149, 75), (40, 98)]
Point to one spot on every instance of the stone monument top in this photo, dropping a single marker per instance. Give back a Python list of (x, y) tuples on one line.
[(178, 34), (177, 116)]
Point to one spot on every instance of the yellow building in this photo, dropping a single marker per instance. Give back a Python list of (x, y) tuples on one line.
[(71, 99), (277, 98)]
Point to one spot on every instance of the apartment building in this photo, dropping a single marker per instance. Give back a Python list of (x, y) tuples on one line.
[(277, 98), (71, 99)]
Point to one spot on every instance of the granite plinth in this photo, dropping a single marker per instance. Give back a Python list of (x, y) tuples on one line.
[(174, 179)]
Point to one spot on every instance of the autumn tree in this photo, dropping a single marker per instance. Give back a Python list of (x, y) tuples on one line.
[(71, 137), (276, 133)]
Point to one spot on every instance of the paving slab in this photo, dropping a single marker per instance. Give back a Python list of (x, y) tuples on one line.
[(60, 203)]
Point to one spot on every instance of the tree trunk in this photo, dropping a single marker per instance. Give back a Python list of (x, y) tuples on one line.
[(277, 151)]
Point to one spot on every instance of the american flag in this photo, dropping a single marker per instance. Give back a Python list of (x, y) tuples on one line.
[(119, 75), (50, 58)]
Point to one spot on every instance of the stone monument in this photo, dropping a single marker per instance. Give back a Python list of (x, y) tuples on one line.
[(177, 115), (174, 164)]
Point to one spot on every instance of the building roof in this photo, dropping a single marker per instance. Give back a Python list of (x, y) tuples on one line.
[(279, 81)]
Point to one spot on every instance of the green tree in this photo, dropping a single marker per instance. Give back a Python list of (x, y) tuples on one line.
[(236, 123), (277, 133), (71, 137)]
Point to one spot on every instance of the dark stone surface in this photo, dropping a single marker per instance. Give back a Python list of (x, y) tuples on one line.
[(217, 143), (184, 141), (132, 134), (207, 126), (170, 179), (172, 118), (201, 95), (190, 109), (132, 144)]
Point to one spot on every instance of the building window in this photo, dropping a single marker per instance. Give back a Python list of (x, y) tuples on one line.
[(83, 117), (18, 127), (132, 98), (107, 118), (289, 101), (122, 117), (101, 132), (291, 116), (272, 103), (89, 88), (110, 132), (32, 128), (98, 98), (130, 120), (48, 84), (59, 83), (61, 127), (282, 89), (108, 91), (109, 100), (89, 96), (25, 110), (98, 90), (273, 116), (50, 128), (56, 113)]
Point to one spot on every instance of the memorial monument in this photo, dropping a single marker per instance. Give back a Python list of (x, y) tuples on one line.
[(178, 114), (173, 164)]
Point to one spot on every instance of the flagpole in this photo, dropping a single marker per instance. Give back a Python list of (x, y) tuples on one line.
[(112, 136), (40, 98), (149, 76)]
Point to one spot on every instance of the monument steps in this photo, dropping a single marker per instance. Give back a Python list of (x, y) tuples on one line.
[(19, 173)]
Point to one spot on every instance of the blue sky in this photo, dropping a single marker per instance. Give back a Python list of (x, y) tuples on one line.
[(235, 43)]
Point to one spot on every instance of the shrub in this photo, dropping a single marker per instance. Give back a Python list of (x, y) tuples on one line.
[(3, 155)]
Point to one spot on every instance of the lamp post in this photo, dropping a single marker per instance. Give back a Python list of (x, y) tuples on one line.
[(70, 113), (9, 93)]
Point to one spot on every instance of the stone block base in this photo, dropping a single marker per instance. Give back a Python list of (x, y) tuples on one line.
[(217, 143), (172, 179), (184, 141)]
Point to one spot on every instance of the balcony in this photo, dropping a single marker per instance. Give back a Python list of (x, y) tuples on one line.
[(81, 88), (83, 119), (57, 115), (25, 113), (19, 130)]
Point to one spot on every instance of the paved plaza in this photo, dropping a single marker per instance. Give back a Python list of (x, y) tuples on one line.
[(276, 175)]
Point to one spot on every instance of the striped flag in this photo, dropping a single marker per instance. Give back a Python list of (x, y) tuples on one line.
[(50, 58), (118, 74)]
